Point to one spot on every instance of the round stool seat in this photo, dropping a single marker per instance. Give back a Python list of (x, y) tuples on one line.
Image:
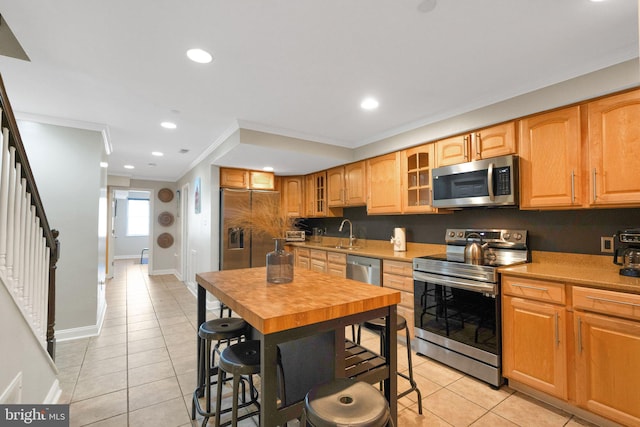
[(379, 324), (346, 402), (242, 358), (222, 329)]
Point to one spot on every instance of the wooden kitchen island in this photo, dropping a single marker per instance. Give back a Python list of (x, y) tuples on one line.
[(314, 306)]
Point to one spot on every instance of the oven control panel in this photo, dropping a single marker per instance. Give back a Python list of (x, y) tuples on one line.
[(494, 237)]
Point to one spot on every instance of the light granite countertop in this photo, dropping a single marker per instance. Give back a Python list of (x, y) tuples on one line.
[(375, 248), (578, 269), (597, 271)]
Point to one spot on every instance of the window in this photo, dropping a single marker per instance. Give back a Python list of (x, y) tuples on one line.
[(137, 217)]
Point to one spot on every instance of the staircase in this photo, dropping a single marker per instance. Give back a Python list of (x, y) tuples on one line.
[(29, 248)]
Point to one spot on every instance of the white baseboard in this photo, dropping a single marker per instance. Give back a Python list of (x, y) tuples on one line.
[(54, 394), (77, 333), (167, 271), (126, 256)]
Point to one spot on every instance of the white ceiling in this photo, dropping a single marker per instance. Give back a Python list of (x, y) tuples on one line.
[(298, 68)]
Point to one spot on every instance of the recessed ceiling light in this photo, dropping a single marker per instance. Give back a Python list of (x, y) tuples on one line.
[(168, 125), (200, 56), (369, 104), (129, 167), (267, 169), (104, 164), (157, 153)]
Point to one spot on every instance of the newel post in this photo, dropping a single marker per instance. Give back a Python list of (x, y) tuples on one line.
[(51, 308)]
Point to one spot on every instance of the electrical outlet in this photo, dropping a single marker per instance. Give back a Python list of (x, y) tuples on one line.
[(606, 244)]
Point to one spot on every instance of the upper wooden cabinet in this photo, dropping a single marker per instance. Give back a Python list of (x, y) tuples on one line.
[(498, 140), (415, 166), (550, 173), (315, 194), (292, 195), (614, 150), (250, 179), (346, 185), (384, 192)]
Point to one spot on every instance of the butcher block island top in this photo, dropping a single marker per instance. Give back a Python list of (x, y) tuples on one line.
[(310, 298)]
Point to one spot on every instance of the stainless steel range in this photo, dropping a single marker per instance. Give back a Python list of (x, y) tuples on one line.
[(457, 301)]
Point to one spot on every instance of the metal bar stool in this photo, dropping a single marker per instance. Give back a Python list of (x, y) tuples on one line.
[(220, 330), (242, 359), (378, 325), (345, 402)]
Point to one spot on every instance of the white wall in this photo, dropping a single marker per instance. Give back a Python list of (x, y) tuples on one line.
[(22, 353), (203, 238), (66, 167)]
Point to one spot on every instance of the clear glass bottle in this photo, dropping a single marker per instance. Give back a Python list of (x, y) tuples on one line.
[(279, 264)]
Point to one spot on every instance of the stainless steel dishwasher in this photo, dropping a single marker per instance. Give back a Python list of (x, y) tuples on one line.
[(363, 269)]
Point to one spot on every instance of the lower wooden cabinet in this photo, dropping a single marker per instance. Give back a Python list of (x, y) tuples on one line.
[(337, 264), (586, 352), (303, 258), (534, 344), (318, 260), (399, 275), (608, 353)]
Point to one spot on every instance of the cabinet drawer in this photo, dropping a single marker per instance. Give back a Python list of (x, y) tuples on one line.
[(534, 289), (302, 252), (318, 265), (608, 302), (318, 254), (339, 270), (336, 258), (398, 267), (401, 283)]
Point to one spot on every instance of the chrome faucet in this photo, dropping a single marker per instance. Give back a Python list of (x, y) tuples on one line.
[(352, 238)]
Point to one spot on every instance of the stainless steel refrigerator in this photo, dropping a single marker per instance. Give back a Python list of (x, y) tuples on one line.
[(238, 247)]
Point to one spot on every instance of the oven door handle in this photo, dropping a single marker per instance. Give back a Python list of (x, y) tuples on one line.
[(455, 282)]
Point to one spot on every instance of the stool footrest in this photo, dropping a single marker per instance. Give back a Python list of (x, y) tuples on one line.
[(363, 365)]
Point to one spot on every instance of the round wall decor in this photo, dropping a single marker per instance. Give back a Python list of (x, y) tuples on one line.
[(165, 219), (165, 240), (165, 195)]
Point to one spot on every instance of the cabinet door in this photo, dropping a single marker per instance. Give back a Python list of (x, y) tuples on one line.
[(302, 258), (384, 184), (309, 195), (234, 178), (335, 187), (534, 348), (355, 183), (607, 367), (416, 165), (494, 141), (550, 174), (614, 150), (454, 150), (293, 195), (259, 180)]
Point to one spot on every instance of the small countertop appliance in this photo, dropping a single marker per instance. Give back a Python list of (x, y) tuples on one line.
[(627, 248)]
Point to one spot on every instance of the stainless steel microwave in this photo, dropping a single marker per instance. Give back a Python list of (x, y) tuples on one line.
[(487, 182)]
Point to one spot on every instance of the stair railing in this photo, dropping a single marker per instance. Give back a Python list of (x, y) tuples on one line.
[(29, 248)]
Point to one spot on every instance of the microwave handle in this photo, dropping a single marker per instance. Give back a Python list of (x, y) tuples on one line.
[(490, 182)]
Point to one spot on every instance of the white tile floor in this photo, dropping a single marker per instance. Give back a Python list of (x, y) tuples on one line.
[(140, 371)]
